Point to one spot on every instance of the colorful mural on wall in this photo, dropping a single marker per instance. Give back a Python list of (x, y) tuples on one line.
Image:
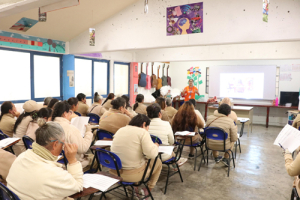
[(185, 19), (22, 41), (195, 74)]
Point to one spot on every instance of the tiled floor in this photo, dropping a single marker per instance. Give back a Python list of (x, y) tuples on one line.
[(259, 174)]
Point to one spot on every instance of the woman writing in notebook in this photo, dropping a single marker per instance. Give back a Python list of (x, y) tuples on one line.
[(190, 91)]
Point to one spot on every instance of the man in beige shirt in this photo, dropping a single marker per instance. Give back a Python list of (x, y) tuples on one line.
[(82, 106), (169, 109), (222, 120)]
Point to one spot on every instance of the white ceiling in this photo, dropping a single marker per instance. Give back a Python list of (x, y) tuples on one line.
[(67, 23)]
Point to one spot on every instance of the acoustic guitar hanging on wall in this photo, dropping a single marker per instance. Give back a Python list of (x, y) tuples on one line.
[(148, 79), (142, 82), (153, 78), (168, 77), (164, 78), (159, 81)]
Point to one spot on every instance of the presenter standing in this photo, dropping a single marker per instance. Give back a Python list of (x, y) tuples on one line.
[(190, 91)]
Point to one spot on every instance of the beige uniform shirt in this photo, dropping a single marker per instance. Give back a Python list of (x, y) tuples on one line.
[(6, 160), (296, 122), (113, 120), (232, 115), (141, 109), (171, 112), (107, 104), (133, 145), (82, 108), (20, 132), (293, 169), (7, 124), (97, 109)]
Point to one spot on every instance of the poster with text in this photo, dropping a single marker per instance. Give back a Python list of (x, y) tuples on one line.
[(185, 19), (266, 10)]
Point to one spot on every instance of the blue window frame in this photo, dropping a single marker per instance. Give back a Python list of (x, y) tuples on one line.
[(115, 84), (32, 83), (107, 62)]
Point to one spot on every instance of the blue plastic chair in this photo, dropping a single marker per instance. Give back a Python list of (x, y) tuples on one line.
[(7, 194), (3, 136), (112, 161), (94, 118), (27, 142), (77, 113), (64, 160), (155, 139), (214, 133), (173, 161), (101, 134)]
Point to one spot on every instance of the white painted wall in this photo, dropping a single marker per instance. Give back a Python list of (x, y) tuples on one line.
[(225, 22)]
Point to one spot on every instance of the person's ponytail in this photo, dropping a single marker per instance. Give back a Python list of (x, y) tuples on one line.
[(135, 106), (139, 99)]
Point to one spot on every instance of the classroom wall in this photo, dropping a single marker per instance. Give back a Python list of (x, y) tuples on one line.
[(278, 116), (225, 22)]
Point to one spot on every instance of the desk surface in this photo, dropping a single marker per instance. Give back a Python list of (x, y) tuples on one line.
[(90, 190), (12, 144), (236, 107)]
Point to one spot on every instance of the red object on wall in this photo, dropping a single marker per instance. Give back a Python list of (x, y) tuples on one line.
[(134, 77)]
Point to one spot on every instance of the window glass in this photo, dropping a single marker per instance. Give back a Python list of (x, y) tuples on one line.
[(121, 79), (100, 78), (83, 77)]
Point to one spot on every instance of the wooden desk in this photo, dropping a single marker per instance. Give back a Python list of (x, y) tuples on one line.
[(241, 112), (88, 191), (12, 144), (94, 147), (177, 102)]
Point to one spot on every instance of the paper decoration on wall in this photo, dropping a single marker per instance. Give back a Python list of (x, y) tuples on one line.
[(24, 24), (290, 68), (185, 19), (266, 10), (195, 74), (92, 36), (42, 16), (70, 74), (285, 77), (21, 41)]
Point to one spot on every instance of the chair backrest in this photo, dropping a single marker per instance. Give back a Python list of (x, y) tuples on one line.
[(180, 145), (94, 118), (299, 128), (101, 134), (109, 159), (7, 194), (215, 133), (2, 135), (77, 113), (27, 142), (155, 139)]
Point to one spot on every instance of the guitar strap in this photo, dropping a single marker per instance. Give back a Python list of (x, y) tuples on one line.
[(93, 108)]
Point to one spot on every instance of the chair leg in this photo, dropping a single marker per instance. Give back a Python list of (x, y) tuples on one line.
[(167, 179), (235, 147), (207, 156), (228, 165), (102, 195), (132, 195), (202, 160), (149, 192), (91, 196), (202, 152), (232, 159), (196, 154), (179, 172), (240, 145), (125, 190), (12, 150)]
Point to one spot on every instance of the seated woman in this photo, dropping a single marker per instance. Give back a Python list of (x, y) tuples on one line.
[(139, 106), (162, 103), (187, 120), (232, 115), (35, 174), (30, 109), (107, 103), (44, 113), (7, 160), (61, 114), (97, 107), (116, 117), (82, 106), (171, 111), (134, 159), (73, 102), (128, 107), (7, 118), (53, 101), (293, 168), (296, 122), (47, 101)]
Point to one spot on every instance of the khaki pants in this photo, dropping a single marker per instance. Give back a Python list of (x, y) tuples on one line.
[(226, 155), (135, 175)]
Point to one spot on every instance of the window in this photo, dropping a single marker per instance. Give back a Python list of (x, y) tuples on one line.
[(83, 77), (101, 77), (121, 78), (46, 76), (15, 79)]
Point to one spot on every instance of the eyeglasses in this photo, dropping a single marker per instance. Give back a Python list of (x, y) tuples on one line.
[(58, 141)]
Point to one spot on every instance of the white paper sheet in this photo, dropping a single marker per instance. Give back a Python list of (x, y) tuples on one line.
[(80, 122), (98, 181), (59, 157), (289, 138), (7, 141), (166, 149), (185, 133), (243, 119), (103, 143)]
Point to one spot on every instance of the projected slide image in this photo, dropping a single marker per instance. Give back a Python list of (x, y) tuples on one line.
[(242, 85)]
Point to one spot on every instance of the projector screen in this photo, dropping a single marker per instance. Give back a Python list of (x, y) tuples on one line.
[(243, 82)]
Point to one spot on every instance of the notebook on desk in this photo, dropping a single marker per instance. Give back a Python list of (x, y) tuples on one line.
[(7, 141), (98, 181)]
